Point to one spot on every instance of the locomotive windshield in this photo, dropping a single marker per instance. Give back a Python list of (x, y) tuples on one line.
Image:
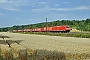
[(67, 26)]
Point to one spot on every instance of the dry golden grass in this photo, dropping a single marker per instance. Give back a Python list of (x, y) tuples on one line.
[(41, 47), (44, 55), (74, 30)]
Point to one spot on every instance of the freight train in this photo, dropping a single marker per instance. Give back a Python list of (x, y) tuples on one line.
[(47, 29)]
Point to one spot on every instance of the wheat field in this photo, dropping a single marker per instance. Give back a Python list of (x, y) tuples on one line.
[(44, 47)]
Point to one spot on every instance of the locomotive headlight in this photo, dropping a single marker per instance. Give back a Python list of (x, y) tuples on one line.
[(67, 28)]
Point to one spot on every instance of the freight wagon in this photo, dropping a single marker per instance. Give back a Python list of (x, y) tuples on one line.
[(47, 29)]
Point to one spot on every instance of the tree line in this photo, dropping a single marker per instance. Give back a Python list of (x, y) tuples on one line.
[(83, 25)]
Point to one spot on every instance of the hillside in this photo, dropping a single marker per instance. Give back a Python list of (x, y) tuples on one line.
[(76, 24)]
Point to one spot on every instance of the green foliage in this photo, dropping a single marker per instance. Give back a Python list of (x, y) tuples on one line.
[(1, 58), (3, 29), (74, 34), (83, 25)]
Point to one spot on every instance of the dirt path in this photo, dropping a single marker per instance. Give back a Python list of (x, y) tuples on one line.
[(62, 44)]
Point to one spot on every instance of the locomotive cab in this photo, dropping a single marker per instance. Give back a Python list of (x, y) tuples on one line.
[(68, 29)]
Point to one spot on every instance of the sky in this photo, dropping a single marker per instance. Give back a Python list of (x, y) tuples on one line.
[(23, 12)]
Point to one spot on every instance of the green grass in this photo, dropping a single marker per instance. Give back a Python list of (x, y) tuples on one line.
[(71, 34)]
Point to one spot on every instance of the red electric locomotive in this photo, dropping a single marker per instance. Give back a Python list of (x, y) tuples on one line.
[(47, 29)]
